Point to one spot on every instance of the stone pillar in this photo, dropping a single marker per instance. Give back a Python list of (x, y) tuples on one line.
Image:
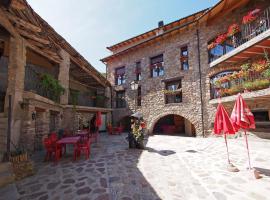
[(27, 139), (108, 95), (63, 76), (16, 73)]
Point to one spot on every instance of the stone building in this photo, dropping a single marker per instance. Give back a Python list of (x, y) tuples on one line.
[(177, 66), (51, 85)]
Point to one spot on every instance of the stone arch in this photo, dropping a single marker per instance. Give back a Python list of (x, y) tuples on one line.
[(197, 124)]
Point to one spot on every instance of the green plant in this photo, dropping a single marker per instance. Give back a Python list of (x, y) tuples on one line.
[(266, 73), (256, 85), (52, 86), (245, 66)]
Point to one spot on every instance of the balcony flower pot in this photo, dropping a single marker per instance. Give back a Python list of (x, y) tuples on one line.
[(251, 16), (221, 39), (212, 45), (233, 29)]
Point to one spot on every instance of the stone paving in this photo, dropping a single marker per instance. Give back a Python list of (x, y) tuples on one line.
[(170, 168)]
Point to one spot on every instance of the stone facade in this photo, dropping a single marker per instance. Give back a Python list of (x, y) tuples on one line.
[(195, 106)]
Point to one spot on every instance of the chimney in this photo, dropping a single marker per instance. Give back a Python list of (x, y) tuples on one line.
[(160, 24)]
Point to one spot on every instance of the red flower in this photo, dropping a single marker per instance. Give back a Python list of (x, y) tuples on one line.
[(211, 45), (233, 29), (143, 124), (251, 16), (221, 39)]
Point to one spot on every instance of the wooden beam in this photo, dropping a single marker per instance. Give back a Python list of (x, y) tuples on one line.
[(89, 72), (33, 37), (18, 4), (225, 9), (253, 52), (262, 46), (42, 53), (241, 57), (23, 23)]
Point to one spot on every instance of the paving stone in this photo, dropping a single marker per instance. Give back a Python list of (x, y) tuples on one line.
[(45, 197), (68, 181), (52, 185), (77, 185), (103, 197), (84, 190), (99, 191), (219, 196), (103, 182)]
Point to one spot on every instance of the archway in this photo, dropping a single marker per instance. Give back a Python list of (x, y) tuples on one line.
[(172, 124)]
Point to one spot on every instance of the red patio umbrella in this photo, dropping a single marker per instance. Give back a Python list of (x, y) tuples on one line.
[(223, 125), (98, 119), (243, 118)]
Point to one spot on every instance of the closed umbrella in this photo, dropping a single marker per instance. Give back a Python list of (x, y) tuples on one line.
[(243, 118), (98, 119), (223, 125)]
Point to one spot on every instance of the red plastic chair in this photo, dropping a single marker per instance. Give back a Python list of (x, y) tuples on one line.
[(83, 147), (52, 150)]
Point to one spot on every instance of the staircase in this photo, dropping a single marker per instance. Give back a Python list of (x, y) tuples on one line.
[(3, 135)]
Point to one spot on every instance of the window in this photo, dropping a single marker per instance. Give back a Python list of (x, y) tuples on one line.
[(156, 66), (120, 99), (219, 50), (138, 71), (139, 96), (173, 92), (120, 76), (184, 58)]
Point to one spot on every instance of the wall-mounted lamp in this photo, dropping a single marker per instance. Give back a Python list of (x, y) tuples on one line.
[(34, 115)]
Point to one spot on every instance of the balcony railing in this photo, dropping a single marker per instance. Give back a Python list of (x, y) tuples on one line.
[(252, 81), (33, 82), (248, 32), (87, 99)]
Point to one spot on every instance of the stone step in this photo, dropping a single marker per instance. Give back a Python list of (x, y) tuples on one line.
[(6, 174)]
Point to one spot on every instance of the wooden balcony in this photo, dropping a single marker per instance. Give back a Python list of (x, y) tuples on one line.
[(252, 41)]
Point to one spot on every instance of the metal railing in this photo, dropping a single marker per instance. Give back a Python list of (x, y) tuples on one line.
[(87, 99), (248, 32), (254, 81), (32, 82)]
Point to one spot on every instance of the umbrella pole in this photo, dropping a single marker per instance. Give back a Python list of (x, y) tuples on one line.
[(247, 150), (225, 137)]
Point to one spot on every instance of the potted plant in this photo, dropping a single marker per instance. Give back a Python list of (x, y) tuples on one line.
[(233, 29), (212, 45), (266, 74), (251, 16), (221, 39)]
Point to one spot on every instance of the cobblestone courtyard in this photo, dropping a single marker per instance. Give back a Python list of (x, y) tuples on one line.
[(171, 168)]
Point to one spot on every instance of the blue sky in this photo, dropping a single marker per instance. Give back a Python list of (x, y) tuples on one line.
[(92, 25)]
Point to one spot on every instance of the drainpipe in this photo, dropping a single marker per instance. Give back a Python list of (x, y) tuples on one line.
[(200, 75)]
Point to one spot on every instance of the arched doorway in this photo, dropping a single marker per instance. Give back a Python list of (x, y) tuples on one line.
[(174, 125), (125, 123)]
